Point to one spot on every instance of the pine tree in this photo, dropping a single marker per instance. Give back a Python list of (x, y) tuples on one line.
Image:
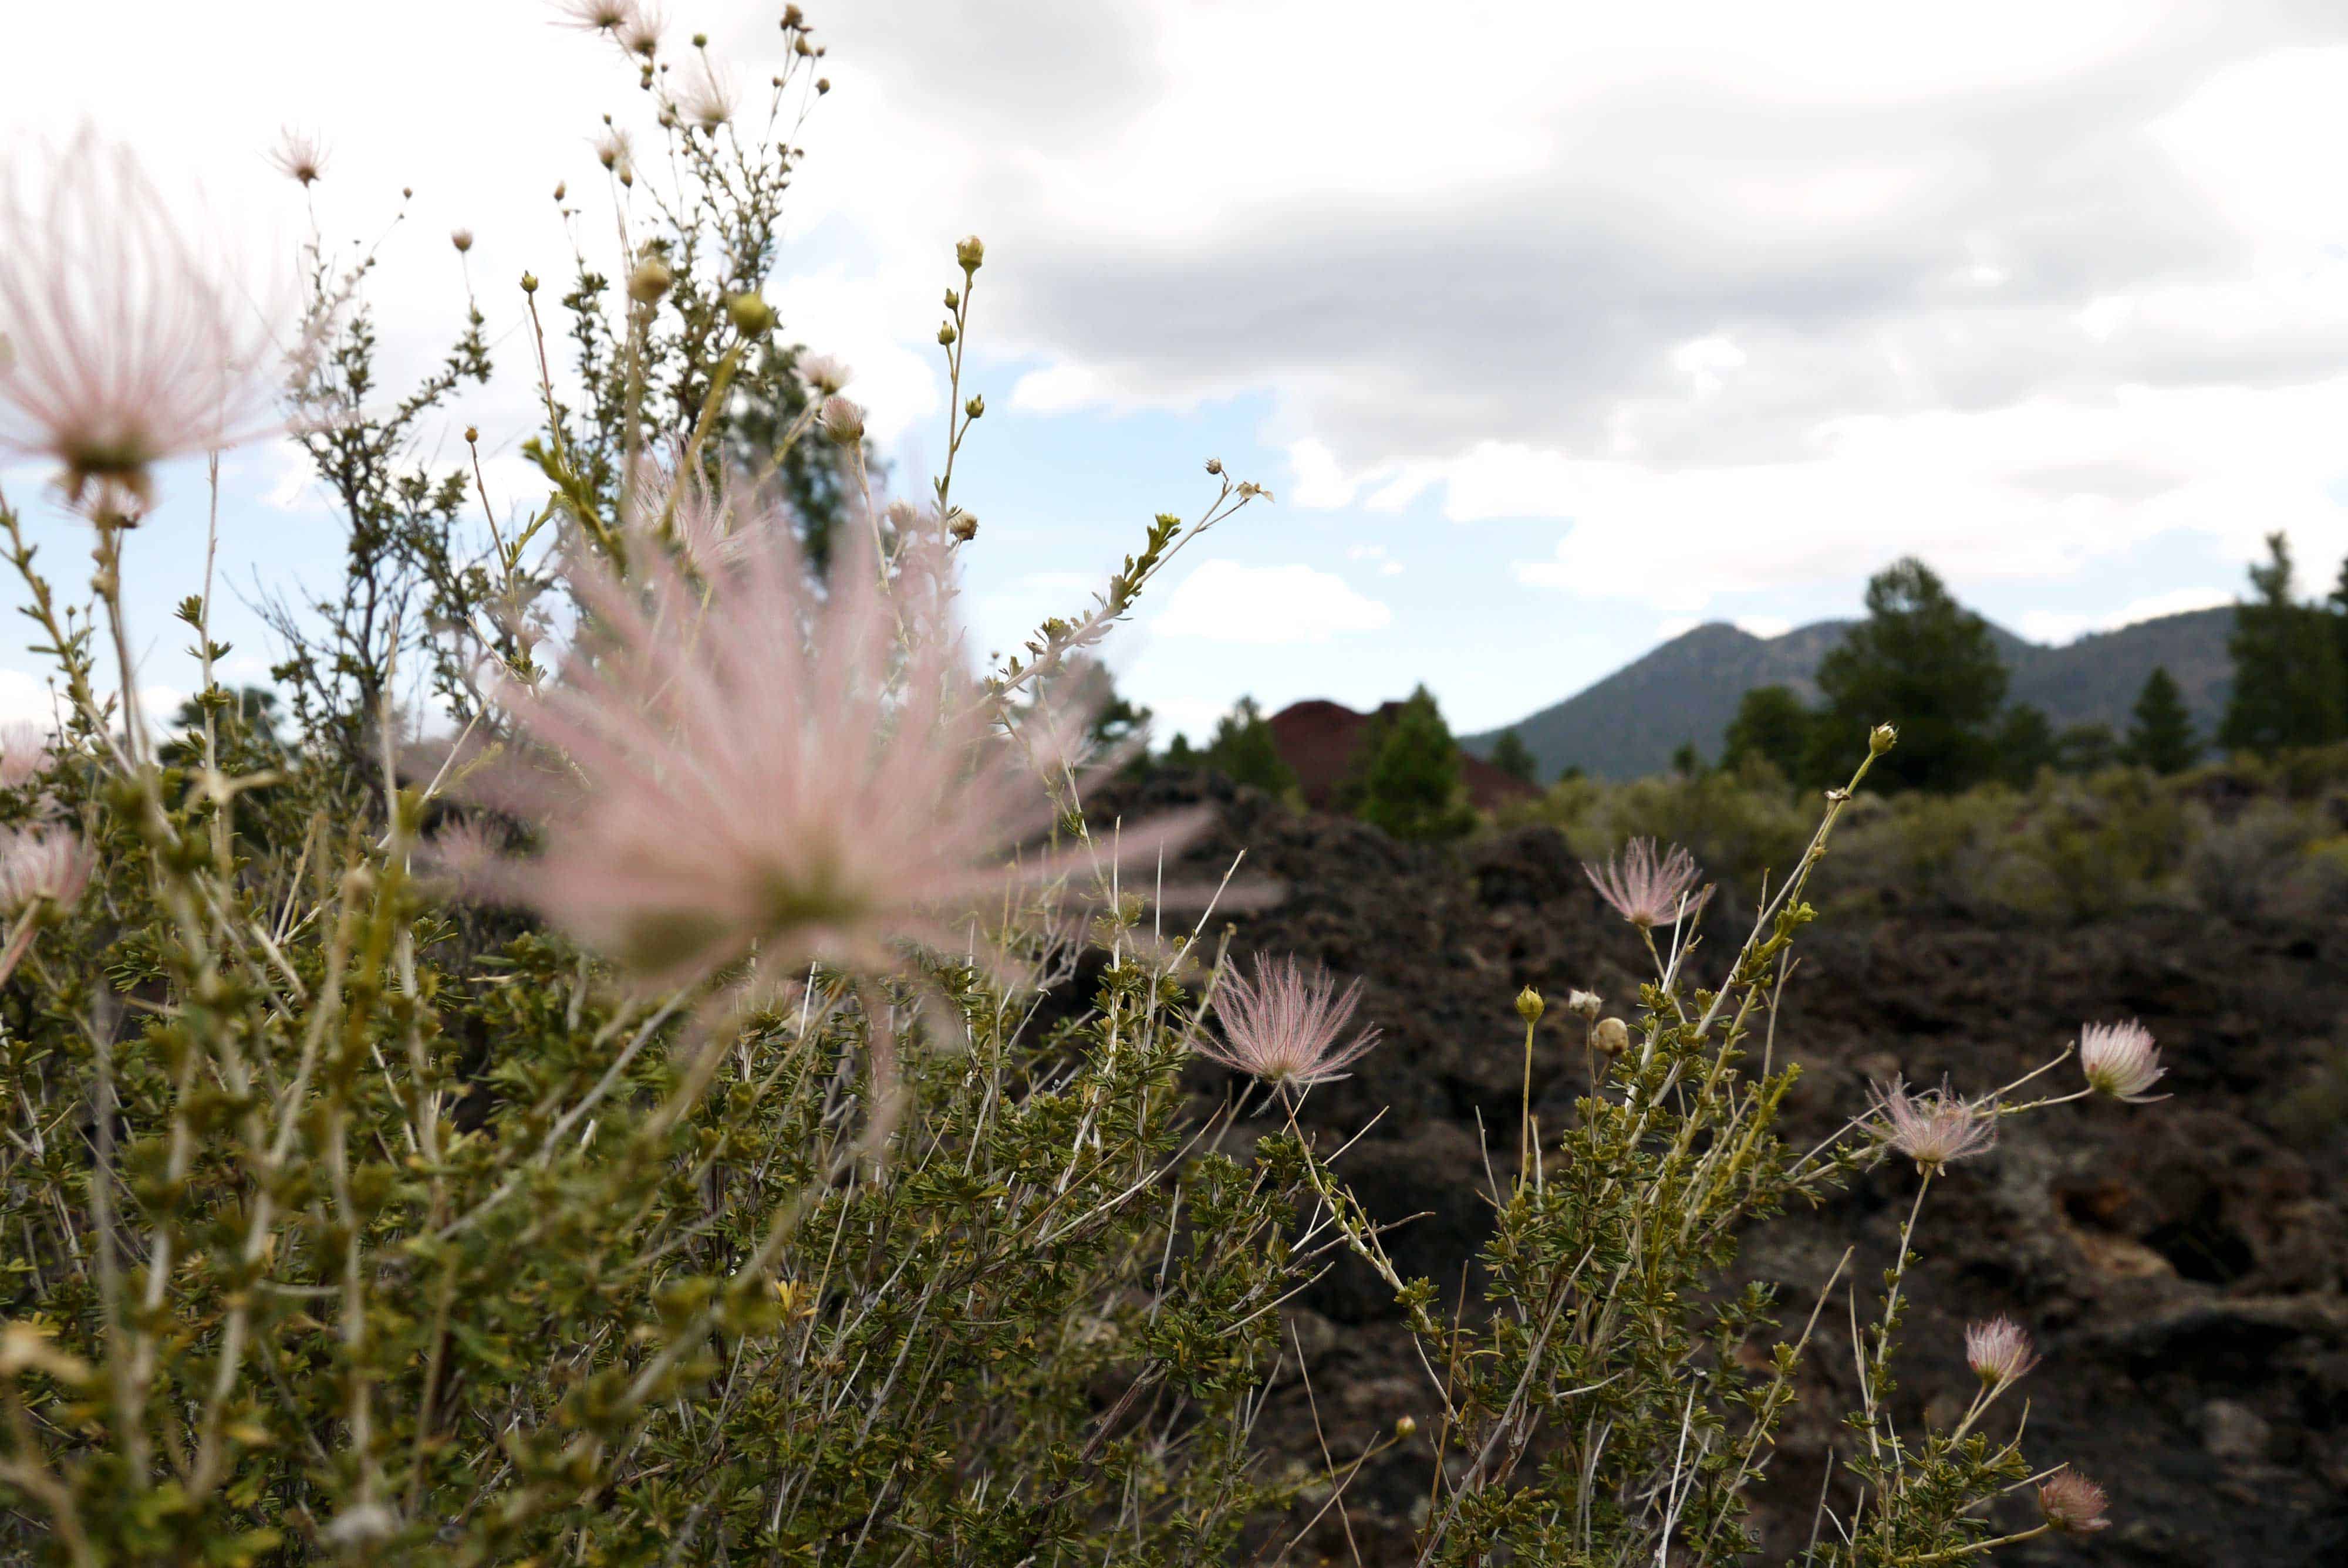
[(2024, 744), (2288, 686), (1771, 725), (1514, 758), (1924, 662), (2162, 738), (1411, 781), (1244, 751), (2339, 608), (2087, 748)]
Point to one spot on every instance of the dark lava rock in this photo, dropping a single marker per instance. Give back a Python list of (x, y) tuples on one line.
[(2181, 1263)]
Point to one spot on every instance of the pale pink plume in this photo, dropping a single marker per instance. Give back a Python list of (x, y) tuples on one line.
[(23, 752), (737, 763), (2118, 1060), (674, 503), (40, 864), (129, 343), (1935, 1127), (2072, 1504), (1998, 1351), (1284, 1024), (1645, 888)]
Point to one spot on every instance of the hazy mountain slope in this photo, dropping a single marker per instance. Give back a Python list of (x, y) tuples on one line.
[(1687, 689)]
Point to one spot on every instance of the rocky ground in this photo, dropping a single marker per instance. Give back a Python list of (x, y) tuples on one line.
[(2181, 1264)]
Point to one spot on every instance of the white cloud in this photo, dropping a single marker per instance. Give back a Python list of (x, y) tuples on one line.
[(1226, 601), (26, 700), (2059, 627)]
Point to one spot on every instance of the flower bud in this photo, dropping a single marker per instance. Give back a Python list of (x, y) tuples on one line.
[(965, 527), (649, 281), (1611, 1036), (1529, 1006), (1406, 1426), (946, 334), (751, 316), (472, 433), (970, 252), (701, 40), (561, 188), (822, 86), (975, 407), (954, 298), (1214, 465), (842, 421), (462, 239), (530, 282), (1586, 1003), (1882, 739)]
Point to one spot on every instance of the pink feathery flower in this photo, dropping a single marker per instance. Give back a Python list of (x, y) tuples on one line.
[(2118, 1060), (128, 345), (1645, 888), (745, 764), (1998, 1351), (2072, 1504), (824, 373), (300, 156), (611, 17), (23, 752), (1936, 1127), (1282, 1025), (676, 503), (40, 864)]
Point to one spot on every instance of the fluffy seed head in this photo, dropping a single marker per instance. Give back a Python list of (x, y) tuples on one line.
[(1589, 1004), (1644, 888), (299, 156), (131, 345), (710, 100), (1936, 1127), (1283, 1025), (824, 373), (1998, 1351), (610, 17), (750, 765), (2072, 1504), (2118, 1060), (842, 421), (23, 752), (38, 865)]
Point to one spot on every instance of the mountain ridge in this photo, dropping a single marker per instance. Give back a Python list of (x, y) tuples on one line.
[(1686, 690)]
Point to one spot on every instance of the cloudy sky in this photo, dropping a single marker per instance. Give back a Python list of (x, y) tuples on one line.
[(1554, 328)]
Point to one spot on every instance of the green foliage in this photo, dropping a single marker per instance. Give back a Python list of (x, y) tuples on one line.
[(1514, 758), (2024, 744), (1243, 750), (1409, 775), (2161, 737), (1921, 660), (2288, 686), (2086, 749), (1772, 725)]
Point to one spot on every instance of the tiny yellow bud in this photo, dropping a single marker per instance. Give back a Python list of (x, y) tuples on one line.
[(952, 298), (1882, 739), (975, 407), (1529, 1006), (946, 334), (970, 252), (1406, 1428), (472, 433), (530, 282)]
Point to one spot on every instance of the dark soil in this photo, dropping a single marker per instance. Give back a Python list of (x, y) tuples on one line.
[(2181, 1264)]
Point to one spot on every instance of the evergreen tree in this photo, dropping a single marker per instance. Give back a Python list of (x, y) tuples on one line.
[(1686, 760), (1924, 662), (2087, 748), (2288, 686), (1771, 724), (1514, 758), (1182, 753), (1245, 751), (2024, 742), (2339, 607), (1411, 780), (2161, 738)]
